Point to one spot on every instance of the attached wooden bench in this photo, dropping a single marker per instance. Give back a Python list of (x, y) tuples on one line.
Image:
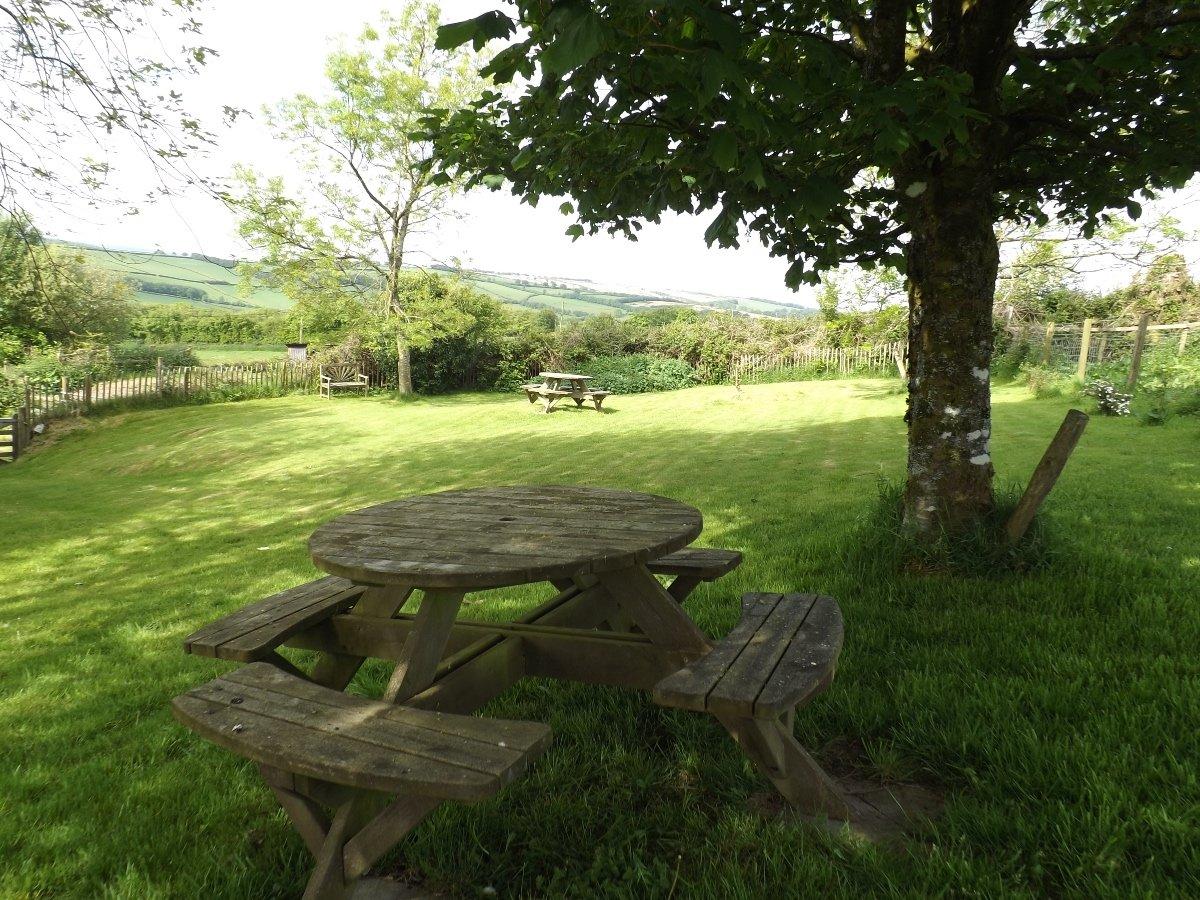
[(781, 654), (309, 741), (693, 565), (349, 377), (255, 631)]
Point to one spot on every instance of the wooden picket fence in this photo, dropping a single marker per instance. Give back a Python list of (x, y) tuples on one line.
[(167, 383), (880, 359)]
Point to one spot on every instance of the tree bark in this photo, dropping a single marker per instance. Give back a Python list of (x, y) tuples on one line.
[(952, 263), (404, 383)]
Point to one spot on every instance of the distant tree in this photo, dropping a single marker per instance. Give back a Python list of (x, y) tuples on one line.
[(366, 189), (1165, 289), (82, 79), (51, 297), (884, 131)]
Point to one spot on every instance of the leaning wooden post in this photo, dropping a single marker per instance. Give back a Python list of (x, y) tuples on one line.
[(1139, 344), (1183, 336), (1048, 343), (187, 371), (1085, 345), (1046, 474), (158, 377)]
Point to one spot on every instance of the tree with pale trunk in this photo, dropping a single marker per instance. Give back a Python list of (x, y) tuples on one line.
[(344, 229), (874, 131)]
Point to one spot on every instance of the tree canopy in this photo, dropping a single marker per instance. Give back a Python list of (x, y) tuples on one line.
[(812, 124), (75, 74)]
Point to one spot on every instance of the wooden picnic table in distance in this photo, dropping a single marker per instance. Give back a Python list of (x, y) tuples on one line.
[(609, 622), (557, 386)]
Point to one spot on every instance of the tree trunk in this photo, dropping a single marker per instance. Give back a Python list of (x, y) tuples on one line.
[(404, 384), (952, 263)]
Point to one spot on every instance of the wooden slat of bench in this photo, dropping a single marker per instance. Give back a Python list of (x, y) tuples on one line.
[(281, 721), (808, 664), (705, 563), (690, 686), (291, 611), (742, 682)]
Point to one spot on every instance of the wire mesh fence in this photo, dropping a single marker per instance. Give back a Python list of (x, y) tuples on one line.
[(1109, 349)]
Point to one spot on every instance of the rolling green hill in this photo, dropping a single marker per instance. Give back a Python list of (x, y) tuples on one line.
[(212, 283), (215, 281)]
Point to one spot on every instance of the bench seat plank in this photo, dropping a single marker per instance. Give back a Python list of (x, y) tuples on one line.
[(253, 632), (705, 563), (782, 653), (278, 720)]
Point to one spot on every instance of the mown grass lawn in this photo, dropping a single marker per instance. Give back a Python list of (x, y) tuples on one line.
[(1057, 711)]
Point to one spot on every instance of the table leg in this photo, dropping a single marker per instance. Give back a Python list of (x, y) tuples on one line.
[(336, 670), (424, 647), (639, 595)]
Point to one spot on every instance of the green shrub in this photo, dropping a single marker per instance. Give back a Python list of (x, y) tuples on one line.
[(1046, 381), (639, 373), (1006, 365), (1168, 386), (12, 395)]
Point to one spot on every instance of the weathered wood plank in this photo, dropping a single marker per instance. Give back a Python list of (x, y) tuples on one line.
[(808, 664), (690, 687), (352, 741), (738, 688), (327, 590)]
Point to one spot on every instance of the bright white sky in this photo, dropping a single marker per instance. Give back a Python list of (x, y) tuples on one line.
[(271, 49)]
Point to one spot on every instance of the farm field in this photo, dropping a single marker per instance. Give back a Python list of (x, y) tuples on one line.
[(1055, 711), (221, 287), (218, 282)]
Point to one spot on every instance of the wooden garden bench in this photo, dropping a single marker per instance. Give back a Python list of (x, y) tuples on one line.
[(342, 377), (312, 743), (254, 632), (781, 654)]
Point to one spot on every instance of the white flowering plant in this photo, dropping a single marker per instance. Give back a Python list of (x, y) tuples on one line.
[(1109, 401)]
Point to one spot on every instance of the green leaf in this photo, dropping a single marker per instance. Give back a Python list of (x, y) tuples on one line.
[(567, 208), (579, 37), (479, 30), (722, 147), (575, 232), (523, 158)]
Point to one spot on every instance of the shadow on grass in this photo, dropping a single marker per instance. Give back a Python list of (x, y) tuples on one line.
[(1012, 693)]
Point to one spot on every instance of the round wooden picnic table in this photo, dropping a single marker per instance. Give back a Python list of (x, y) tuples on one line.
[(495, 537)]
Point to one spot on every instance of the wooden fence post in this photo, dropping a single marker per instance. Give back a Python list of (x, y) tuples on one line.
[(1183, 336), (87, 390), (158, 377), (1046, 474), (1085, 344), (1048, 344), (187, 371), (1139, 344)]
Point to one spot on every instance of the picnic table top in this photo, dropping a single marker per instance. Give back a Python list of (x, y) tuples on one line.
[(565, 375), (493, 537)]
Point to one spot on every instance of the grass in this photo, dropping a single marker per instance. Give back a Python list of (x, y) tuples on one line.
[(226, 355), (1056, 710)]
